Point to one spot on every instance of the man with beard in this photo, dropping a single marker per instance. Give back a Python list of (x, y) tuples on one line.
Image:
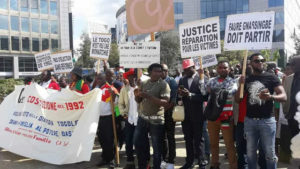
[(260, 124)]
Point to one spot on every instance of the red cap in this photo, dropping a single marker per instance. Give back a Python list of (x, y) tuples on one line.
[(128, 73), (187, 63)]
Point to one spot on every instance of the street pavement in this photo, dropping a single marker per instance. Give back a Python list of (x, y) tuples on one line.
[(12, 161)]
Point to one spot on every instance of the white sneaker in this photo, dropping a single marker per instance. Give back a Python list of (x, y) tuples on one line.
[(163, 165), (170, 166)]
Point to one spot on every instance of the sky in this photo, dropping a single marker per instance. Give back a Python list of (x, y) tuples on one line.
[(103, 11)]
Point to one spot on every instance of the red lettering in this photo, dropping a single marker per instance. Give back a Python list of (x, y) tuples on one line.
[(81, 104)]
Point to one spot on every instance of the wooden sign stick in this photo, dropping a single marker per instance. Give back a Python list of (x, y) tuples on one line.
[(98, 66), (243, 74), (201, 67), (112, 107)]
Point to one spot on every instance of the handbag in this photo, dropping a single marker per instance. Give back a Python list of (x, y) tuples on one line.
[(178, 113), (216, 101)]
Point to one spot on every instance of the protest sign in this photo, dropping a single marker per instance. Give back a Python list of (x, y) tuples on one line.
[(139, 55), (43, 60), (200, 38), (50, 126), (100, 46), (207, 61), (146, 17), (62, 62), (251, 31)]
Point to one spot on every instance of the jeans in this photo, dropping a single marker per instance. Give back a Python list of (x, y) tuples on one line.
[(169, 145), (241, 148), (206, 139), (141, 142), (261, 131), (129, 133)]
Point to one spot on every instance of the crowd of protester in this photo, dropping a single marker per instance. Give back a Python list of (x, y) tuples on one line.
[(262, 121)]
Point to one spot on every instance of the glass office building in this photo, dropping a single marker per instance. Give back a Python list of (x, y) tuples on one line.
[(28, 27)]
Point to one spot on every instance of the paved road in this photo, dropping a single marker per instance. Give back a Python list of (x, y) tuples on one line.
[(12, 161)]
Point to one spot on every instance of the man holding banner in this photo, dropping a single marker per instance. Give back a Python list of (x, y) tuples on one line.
[(47, 82), (260, 123)]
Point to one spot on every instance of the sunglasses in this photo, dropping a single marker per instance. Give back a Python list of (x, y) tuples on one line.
[(259, 61)]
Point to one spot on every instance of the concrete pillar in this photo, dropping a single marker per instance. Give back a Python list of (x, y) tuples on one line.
[(16, 67)]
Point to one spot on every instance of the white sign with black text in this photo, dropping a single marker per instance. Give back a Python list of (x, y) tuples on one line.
[(100, 46), (139, 55), (251, 31), (207, 61), (200, 38), (62, 62), (43, 60)]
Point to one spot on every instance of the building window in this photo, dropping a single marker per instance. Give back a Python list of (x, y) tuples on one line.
[(27, 64), (178, 7), (4, 22), (14, 5), (3, 42), (53, 7), (278, 35), (14, 23), (44, 6), (35, 27), (15, 43), (274, 3), (177, 22), (279, 17), (34, 6), (6, 64), (24, 5), (25, 24), (45, 26), (25, 44), (35, 44), (54, 44), (54, 27), (3, 4), (45, 44)]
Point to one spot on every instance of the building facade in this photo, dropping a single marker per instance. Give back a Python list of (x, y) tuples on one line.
[(286, 14), (28, 27)]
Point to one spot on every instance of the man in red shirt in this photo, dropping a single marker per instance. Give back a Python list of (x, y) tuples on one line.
[(47, 82)]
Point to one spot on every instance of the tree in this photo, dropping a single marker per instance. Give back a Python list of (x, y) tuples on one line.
[(296, 38), (114, 57), (270, 55), (233, 57), (169, 49), (84, 59)]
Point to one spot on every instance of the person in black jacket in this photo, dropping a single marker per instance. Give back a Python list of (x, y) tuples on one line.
[(189, 90)]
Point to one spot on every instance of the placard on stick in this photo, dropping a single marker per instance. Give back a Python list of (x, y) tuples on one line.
[(43, 60), (100, 46), (145, 16), (207, 61), (251, 31), (62, 62), (139, 55), (200, 38)]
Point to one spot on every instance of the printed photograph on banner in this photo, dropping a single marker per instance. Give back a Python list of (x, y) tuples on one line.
[(251, 31), (43, 60), (100, 46), (200, 38), (139, 55), (144, 17), (207, 61), (62, 62)]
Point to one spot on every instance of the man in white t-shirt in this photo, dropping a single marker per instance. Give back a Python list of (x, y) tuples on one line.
[(128, 108)]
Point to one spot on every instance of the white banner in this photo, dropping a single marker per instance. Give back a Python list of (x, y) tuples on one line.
[(50, 126), (100, 46), (251, 31), (207, 61), (139, 55), (62, 62), (43, 60), (200, 38)]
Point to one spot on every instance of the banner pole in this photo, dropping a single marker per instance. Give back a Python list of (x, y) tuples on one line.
[(243, 74), (112, 107), (201, 67), (98, 66)]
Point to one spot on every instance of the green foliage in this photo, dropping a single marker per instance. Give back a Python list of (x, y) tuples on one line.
[(169, 49), (84, 59), (7, 86), (113, 59), (296, 38), (233, 57), (270, 55)]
